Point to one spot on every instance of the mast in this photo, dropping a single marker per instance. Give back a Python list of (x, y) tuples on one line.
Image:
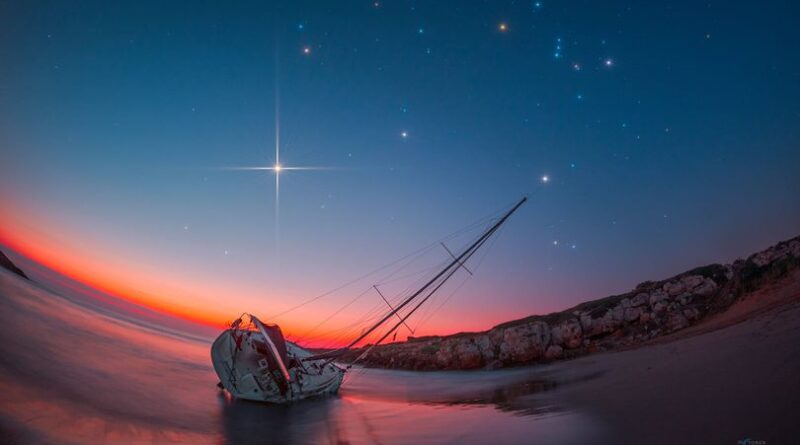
[(447, 272)]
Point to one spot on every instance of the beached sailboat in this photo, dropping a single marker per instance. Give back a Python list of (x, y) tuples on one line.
[(255, 362)]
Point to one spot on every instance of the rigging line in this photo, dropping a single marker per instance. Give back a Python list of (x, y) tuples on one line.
[(423, 278), (335, 313), (441, 283), (368, 316), (400, 296), (477, 266), (325, 294), (377, 310), (411, 258), (391, 307), (447, 273), (429, 246), (353, 327), (339, 336), (417, 272)]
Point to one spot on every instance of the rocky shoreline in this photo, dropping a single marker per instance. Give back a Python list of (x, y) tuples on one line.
[(651, 310)]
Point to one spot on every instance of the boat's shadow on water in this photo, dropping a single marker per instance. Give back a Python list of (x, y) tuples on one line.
[(375, 402), (245, 422)]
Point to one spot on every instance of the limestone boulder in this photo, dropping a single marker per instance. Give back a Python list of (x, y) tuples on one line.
[(486, 347), (692, 281), (640, 299), (676, 321), (691, 313), (553, 352), (632, 314), (568, 333), (673, 288), (524, 342), (707, 288), (658, 296)]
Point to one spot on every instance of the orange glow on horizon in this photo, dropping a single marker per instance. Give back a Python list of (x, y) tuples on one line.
[(131, 279)]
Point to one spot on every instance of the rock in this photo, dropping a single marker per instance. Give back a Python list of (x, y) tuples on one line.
[(586, 322), (658, 296), (684, 299), (794, 248), (604, 324), (692, 281), (553, 351), (468, 356), (486, 347), (728, 271), (618, 313), (524, 342), (651, 310), (640, 299), (707, 288), (632, 313), (677, 322), (6, 263), (459, 353), (673, 288), (691, 313), (568, 333)]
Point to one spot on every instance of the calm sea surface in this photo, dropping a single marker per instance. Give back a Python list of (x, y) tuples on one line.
[(71, 372)]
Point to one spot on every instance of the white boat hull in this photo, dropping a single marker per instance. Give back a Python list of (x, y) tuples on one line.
[(246, 373)]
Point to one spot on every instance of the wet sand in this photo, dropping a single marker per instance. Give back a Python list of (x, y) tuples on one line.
[(69, 374)]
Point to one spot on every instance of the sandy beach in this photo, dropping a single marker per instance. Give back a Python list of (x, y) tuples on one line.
[(734, 377)]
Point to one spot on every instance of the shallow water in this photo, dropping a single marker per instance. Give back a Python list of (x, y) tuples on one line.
[(72, 373)]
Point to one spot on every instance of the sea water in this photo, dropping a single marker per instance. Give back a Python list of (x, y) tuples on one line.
[(74, 371)]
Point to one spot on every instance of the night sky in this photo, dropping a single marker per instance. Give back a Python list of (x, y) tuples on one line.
[(668, 133)]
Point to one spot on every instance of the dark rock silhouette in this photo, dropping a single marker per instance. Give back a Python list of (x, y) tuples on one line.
[(6, 263)]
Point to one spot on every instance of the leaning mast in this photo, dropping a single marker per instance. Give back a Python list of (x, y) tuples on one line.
[(445, 274)]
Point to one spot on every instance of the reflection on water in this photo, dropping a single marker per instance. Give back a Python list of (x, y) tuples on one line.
[(69, 374)]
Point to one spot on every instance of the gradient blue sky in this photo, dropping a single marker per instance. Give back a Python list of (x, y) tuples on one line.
[(674, 144)]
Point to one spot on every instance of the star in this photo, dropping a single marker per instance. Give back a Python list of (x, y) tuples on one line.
[(545, 179), (306, 50), (502, 27), (608, 62), (404, 134), (555, 242), (576, 66), (277, 167)]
